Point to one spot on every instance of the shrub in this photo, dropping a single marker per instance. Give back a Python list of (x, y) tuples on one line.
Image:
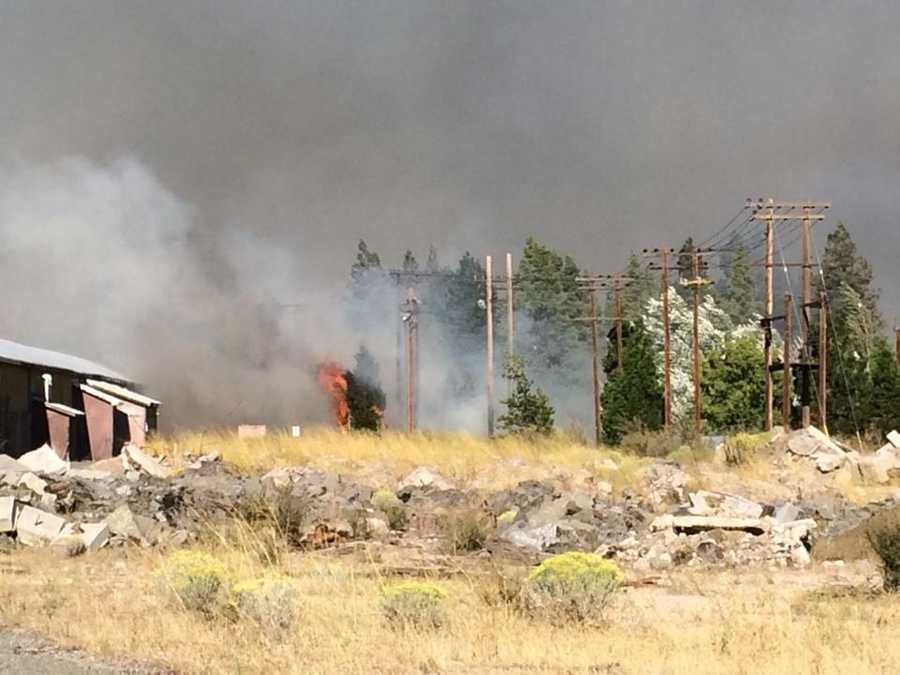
[(387, 502), (414, 603), (886, 543), (647, 443), (740, 448), (269, 601), (502, 588), (466, 531), (572, 586), (197, 579)]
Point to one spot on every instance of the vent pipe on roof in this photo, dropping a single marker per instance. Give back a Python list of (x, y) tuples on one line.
[(48, 383)]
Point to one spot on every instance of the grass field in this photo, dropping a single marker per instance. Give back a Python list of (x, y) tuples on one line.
[(723, 622)]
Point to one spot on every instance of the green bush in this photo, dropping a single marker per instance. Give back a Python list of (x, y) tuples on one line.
[(387, 502), (269, 601), (572, 586), (740, 448), (466, 531), (414, 603), (886, 543), (648, 443), (197, 580)]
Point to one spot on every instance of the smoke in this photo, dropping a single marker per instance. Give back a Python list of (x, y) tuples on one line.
[(184, 183)]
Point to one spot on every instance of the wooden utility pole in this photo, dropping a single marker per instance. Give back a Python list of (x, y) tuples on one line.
[(695, 283), (412, 328), (786, 361), (595, 374), (510, 316), (489, 336), (823, 360), (897, 344), (667, 350), (805, 301), (769, 211)]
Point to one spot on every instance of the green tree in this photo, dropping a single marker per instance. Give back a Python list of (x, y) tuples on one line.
[(881, 406), (842, 265), (632, 394), (528, 408), (410, 264), (432, 264), (642, 287), (738, 297), (549, 297), (732, 395)]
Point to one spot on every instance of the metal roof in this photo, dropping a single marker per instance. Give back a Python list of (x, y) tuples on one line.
[(123, 392), (102, 395), (13, 352)]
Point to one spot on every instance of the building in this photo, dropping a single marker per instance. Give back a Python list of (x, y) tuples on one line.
[(82, 409)]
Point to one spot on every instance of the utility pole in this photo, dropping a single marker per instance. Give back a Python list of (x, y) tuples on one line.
[(595, 375), (769, 211), (510, 316), (897, 343), (663, 254), (786, 360), (411, 318), (823, 360), (695, 283), (489, 335), (593, 283), (805, 300)]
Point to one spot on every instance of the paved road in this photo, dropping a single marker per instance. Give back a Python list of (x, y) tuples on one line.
[(26, 653)]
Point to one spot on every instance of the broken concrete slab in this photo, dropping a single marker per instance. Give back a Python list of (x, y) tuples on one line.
[(93, 536), (37, 528), (695, 524), (826, 462), (33, 482), (123, 523), (704, 503), (894, 438), (135, 459), (44, 460), (89, 474), (8, 513), (786, 513)]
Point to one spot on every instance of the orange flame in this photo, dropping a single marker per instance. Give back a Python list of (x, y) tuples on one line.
[(331, 378)]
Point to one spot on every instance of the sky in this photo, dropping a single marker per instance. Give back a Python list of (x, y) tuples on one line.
[(172, 173)]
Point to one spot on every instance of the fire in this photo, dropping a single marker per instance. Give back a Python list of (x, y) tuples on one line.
[(332, 379)]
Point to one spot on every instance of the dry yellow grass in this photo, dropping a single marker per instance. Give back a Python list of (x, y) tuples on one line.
[(724, 622), (386, 457)]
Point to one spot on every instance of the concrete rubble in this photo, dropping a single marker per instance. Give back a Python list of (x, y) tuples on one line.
[(136, 499)]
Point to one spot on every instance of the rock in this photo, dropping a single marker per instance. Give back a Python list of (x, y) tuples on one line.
[(695, 524), (663, 522), (278, 478), (894, 438), (603, 488), (534, 538), (44, 460), (111, 465), (37, 528), (786, 513), (827, 462), (424, 476), (8, 513), (133, 476), (33, 483), (123, 523), (89, 474), (68, 546), (875, 469), (667, 483), (710, 551), (709, 503), (136, 459), (94, 535), (48, 502), (661, 562), (377, 528)]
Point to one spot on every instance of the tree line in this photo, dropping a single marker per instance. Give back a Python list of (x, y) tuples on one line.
[(553, 346)]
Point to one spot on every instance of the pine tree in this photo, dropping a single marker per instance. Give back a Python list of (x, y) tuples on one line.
[(528, 409), (432, 264), (552, 303), (640, 289), (732, 396), (410, 264), (843, 265), (738, 297), (881, 406), (632, 394)]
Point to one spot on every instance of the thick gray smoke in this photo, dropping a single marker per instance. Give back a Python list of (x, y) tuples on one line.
[(175, 173)]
